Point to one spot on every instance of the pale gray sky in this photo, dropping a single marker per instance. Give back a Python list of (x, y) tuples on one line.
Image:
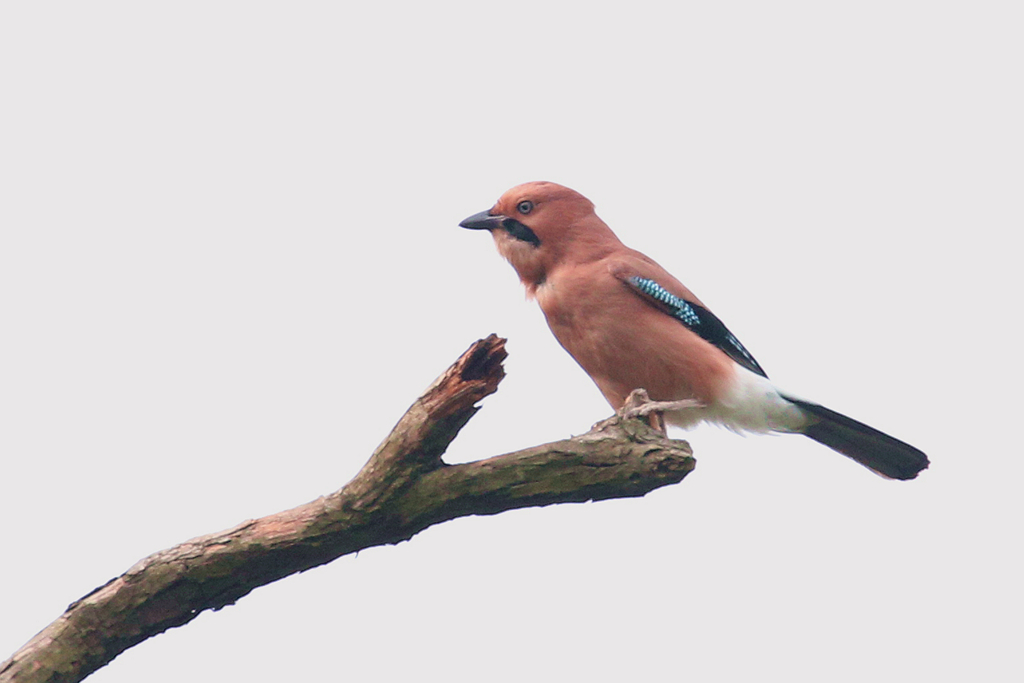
[(229, 261)]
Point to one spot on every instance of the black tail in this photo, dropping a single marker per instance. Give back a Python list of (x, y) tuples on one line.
[(874, 449)]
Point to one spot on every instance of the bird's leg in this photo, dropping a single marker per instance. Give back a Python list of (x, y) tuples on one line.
[(639, 404)]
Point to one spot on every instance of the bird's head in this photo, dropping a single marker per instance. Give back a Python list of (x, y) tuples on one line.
[(539, 226)]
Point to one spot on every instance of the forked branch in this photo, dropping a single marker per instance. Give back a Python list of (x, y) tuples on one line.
[(403, 489)]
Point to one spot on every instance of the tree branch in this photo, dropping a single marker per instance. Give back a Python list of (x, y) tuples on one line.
[(403, 489)]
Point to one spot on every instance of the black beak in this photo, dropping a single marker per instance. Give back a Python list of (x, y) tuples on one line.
[(482, 221)]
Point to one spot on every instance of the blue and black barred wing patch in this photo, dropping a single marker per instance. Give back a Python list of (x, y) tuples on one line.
[(696, 318)]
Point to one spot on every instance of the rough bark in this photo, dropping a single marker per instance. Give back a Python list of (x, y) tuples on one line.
[(403, 489)]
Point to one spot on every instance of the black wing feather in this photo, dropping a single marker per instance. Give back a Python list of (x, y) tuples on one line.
[(697, 319)]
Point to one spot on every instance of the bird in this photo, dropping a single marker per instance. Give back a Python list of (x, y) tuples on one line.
[(631, 325)]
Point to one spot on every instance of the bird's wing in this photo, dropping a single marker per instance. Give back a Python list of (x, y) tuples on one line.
[(659, 289)]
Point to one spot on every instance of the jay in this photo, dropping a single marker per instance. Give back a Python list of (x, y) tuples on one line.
[(630, 325)]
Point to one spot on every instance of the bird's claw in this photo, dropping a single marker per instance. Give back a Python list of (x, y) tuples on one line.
[(639, 404)]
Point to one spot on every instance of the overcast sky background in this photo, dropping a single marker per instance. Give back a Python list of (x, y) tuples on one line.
[(230, 260)]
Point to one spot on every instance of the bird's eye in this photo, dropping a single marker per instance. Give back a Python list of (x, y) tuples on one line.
[(524, 207)]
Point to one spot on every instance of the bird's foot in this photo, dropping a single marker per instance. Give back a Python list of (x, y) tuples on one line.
[(639, 404)]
